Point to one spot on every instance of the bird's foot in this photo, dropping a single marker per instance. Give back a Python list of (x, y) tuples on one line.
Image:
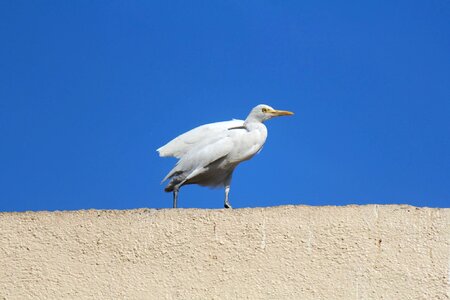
[(227, 205)]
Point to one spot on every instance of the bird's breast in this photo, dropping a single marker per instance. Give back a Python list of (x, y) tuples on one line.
[(246, 143)]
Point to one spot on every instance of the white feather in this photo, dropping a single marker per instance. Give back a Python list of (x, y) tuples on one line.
[(209, 153)]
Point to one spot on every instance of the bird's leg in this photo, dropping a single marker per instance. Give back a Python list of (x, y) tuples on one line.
[(227, 202), (227, 190), (175, 197)]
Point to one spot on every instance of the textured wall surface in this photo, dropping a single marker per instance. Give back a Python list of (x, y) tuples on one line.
[(289, 252)]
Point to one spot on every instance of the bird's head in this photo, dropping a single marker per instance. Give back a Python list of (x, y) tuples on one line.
[(264, 112)]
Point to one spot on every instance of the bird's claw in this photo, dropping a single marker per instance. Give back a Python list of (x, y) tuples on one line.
[(227, 205)]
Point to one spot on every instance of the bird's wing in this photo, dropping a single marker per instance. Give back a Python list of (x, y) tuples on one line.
[(201, 156), (181, 145)]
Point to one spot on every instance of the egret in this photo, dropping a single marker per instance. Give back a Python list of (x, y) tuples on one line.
[(208, 154)]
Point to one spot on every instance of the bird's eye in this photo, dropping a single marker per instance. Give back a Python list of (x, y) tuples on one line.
[(264, 110)]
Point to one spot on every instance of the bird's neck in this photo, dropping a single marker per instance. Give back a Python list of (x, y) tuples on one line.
[(251, 119), (251, 125)]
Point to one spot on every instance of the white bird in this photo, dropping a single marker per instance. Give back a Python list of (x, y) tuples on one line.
[(209, 153)]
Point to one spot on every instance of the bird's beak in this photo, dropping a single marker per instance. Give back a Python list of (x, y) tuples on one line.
[(277, 113)]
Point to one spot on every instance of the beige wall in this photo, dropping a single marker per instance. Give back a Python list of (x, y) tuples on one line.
[(291, 252)]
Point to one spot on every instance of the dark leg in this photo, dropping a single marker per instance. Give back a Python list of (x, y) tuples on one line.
[(175, 197)]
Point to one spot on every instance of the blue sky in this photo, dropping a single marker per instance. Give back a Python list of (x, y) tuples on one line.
[(90, 89)]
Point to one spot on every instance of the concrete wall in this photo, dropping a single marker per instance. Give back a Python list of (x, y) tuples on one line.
[(352, 252)]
